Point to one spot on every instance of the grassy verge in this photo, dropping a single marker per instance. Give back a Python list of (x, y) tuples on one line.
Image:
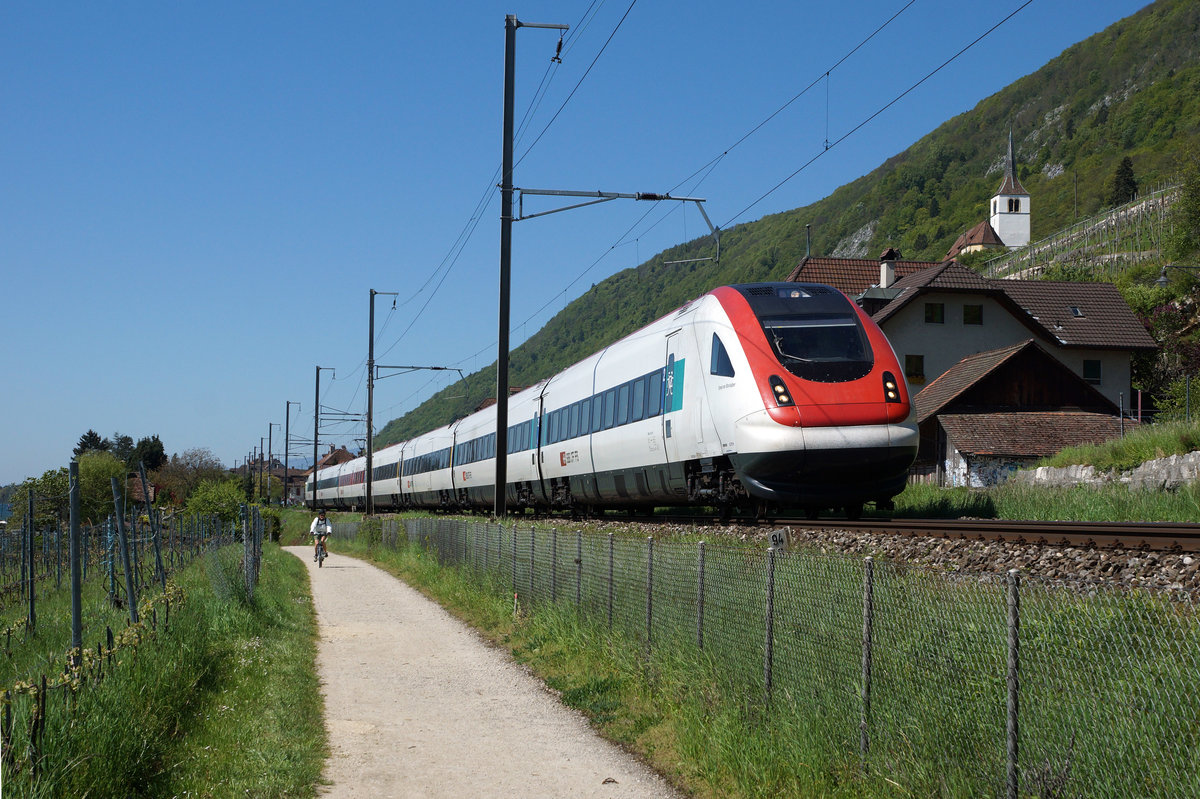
[(1013, 500), (1139, 445), (221, 701)]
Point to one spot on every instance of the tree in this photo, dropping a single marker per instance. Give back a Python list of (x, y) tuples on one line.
[(149, 451), (1185, 213), (122, 447), (96, 471), (1122, 186), (90, 442), (51, 500), (179, 477), (221, 498)]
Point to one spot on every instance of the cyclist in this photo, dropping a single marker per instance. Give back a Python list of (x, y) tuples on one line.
[(319, 530)]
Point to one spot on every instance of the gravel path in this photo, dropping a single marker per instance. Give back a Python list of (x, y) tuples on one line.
[(417, 705)]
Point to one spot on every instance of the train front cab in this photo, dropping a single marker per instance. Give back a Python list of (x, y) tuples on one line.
[(834, 424)]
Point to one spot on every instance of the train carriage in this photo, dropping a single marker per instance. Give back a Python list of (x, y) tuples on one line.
[(752, 394)]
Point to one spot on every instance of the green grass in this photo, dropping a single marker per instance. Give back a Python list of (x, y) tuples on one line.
[(1013, 500), (222, 702), (1137, 446)]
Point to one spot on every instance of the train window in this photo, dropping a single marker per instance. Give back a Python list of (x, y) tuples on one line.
[(556, 426), (914, 368), (623, 404), (610, 407), (825, 348), (638, 409), (573, 425), (720, 363), (597, 418), (585, 416), (654, 383)]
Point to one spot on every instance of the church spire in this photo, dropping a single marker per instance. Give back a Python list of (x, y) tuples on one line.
[(1011, 185)]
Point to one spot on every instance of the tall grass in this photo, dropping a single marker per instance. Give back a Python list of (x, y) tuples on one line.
[(221, 701), (1140, 444), (1013, 500)]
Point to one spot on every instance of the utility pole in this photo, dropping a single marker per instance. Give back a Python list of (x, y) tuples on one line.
[(270, 448), (287, 445), (506, 219), (261, 441), (370, 475), (317, 426)]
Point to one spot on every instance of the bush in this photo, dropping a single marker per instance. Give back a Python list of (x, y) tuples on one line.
[(370, 534), (221, 498)]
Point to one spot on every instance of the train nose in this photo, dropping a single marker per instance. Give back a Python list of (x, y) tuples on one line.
[(823, 466)]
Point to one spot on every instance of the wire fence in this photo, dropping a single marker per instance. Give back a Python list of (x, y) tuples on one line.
[(63, 588), (999, 685)]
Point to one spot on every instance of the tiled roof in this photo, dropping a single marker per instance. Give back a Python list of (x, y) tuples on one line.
[(982, 234), (1030, 434), (851, 275), (1103, 319), (951, 276), (958, 378)]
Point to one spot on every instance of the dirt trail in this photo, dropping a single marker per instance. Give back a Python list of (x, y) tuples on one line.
[(417, 705)]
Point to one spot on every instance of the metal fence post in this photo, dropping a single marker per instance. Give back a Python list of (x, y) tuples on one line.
[(1014, 682), (131, 592), (769, 652), (610, 580), (76, 581), (30, 525), (700, 597), (514, 558), (649, 592), (867, 636)]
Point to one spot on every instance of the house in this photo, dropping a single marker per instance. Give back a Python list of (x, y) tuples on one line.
[(997, 411), (981, 237), (935, 317)]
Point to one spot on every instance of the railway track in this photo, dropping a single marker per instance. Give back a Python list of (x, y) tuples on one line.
[(1150, 536)]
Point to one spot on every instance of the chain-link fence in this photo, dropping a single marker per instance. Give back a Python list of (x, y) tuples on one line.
[(998, 685)]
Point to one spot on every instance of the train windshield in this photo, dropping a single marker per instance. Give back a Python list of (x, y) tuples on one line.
[(825, 348)]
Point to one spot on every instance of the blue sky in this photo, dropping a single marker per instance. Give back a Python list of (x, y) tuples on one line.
[(196, 198)]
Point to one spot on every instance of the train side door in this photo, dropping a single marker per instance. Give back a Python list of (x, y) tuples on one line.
[(677, 440)]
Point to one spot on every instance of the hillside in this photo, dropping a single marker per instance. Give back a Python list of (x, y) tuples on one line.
[(1132, 90)]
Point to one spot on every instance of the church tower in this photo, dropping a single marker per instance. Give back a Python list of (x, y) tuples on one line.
[(1010, 206)]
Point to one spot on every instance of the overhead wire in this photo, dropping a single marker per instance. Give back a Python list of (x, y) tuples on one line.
[(830, 145)]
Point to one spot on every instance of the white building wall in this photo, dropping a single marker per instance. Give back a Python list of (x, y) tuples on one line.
[(944, 345), (1012, 228)]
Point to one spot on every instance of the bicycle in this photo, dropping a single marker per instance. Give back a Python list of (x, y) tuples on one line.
[(321, 553)]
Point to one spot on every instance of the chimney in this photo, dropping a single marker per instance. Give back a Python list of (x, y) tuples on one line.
[(887, 267)]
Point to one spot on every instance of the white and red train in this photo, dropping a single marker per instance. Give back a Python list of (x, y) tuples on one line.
[(773, 393)]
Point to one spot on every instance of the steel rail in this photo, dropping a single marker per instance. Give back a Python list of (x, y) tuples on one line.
[(1157, 536)]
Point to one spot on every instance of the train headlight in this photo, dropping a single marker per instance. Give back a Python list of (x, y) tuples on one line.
[(782, 397), (891, 389)]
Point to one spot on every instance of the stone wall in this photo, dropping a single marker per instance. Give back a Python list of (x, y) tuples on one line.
[(1159, 474)]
